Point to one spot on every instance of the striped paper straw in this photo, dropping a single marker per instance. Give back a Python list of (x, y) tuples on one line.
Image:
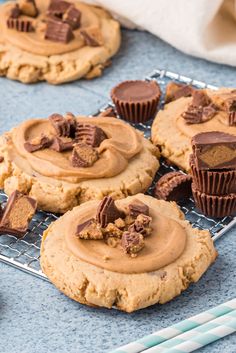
[(186, 325), (225, 324)]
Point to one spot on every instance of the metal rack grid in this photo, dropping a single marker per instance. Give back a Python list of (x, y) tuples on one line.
[(24, 253)]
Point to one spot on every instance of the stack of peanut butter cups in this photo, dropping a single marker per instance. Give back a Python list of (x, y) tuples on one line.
[(213, 168)]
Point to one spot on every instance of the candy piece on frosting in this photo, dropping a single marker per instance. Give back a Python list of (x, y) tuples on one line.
[(15, 11), (37, 143), (132, 243), (28, 7), (92, 36), (70, 118), (72, 17), (141, 225), (61, 125), (173, 186), (89, 230), (107, 212), (60, 144), (83, 156), (58, 31), (1, 159), (231, 110), (89, 134), (58, 8), (17, 214), (138, 207), (112, 230), (20, 25), (200, 110), (214, 150), (176, 90)]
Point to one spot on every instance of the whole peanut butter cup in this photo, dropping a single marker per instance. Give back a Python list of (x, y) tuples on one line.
[(214, 205), (136, 101), (214, 182)]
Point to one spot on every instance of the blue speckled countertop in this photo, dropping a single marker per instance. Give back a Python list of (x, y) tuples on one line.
[(34, 316)]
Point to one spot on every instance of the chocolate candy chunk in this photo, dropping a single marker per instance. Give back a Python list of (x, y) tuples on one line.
[(72, 17), (89, 134), (109, 112), (71, 119), (92, 36), (20, 25), (60, 124), (15, 11), (89, 230), (107, 212), (1, 159), (198, 115), (28, 8), (231, 110), (58, 31), (83, 156), (17, 214), (38, 143), (141, 225), (132, 243), (58, 8), (200, 99), (214, 150), (176, 90), (173, 186), (60, 144), (138, 207)]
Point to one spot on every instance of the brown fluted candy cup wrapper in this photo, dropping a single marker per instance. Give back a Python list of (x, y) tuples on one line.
[(213, 205), (136, 101), (212, 182)]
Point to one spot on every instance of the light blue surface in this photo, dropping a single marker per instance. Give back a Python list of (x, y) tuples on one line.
[(34, 316)]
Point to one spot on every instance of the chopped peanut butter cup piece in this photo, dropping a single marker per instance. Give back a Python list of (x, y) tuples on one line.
[(28, 7), (107, 212), (38, 143), (141, 225), (58, 8), (20, 25), (175, 91), (173, 186), (214, 150), (17, 214), (63, 126), (92, 36), (89, 134), (231, 110), (60, 144), (58, 31), (83, 156), (200, 110), (138, 207), (1, 159), (72, 17), (89, 230), (132, 243), (15, 11)]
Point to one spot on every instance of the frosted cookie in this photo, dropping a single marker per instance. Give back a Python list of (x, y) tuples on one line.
[(129, 254), (55, 41), (64, 161), (191, 112)]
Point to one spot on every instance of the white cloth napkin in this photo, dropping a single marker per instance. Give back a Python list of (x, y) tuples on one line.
[(203, 28)]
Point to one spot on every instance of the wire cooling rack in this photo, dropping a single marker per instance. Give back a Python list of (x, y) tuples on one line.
[(24, 253)]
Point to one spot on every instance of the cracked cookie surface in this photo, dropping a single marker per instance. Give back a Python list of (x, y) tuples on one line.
[(29, 57), (96, 286)]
